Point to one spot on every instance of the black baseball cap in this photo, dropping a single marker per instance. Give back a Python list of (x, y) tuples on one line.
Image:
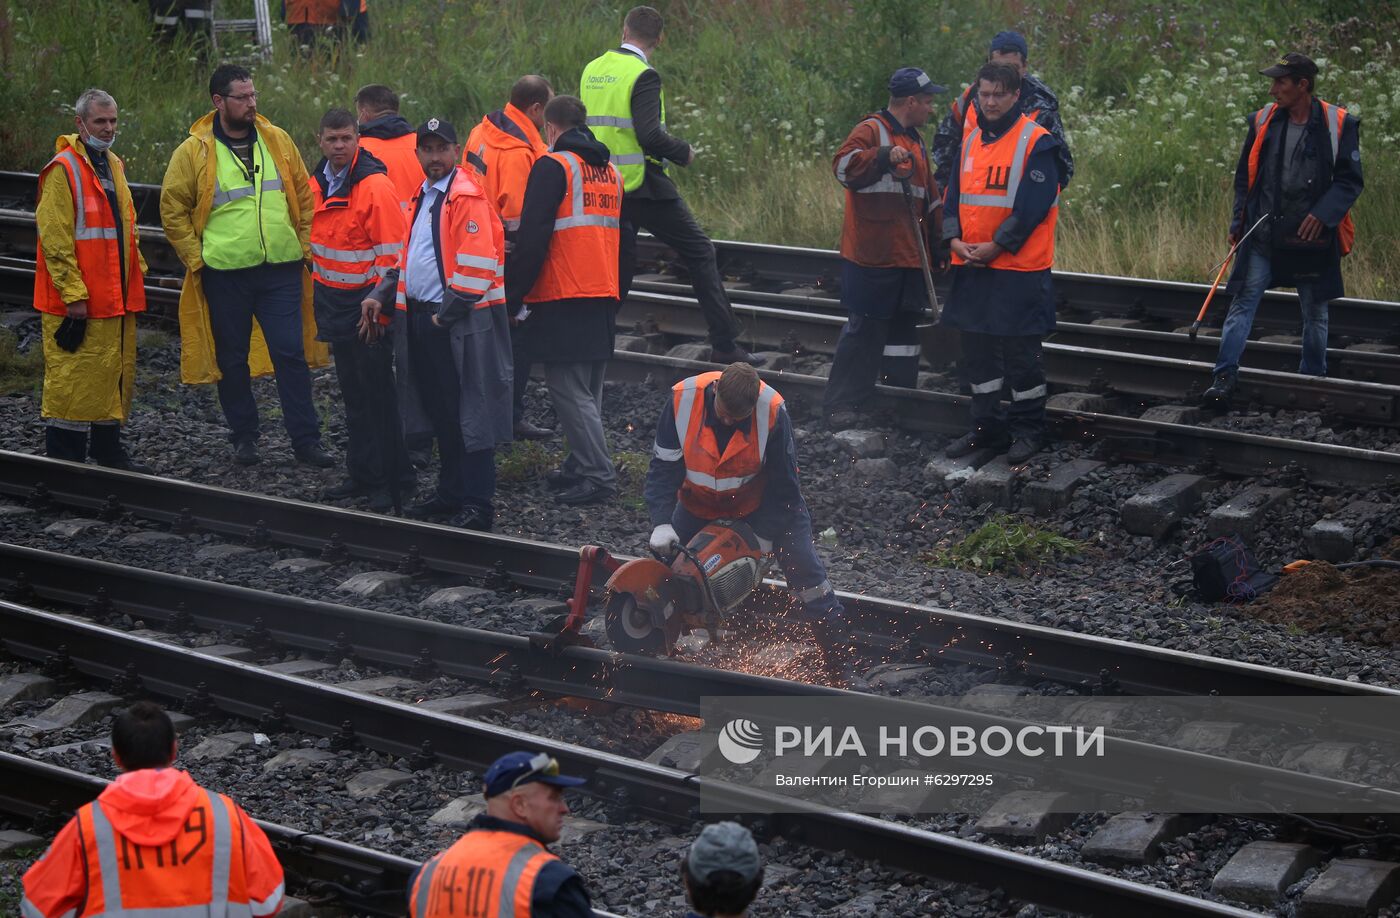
[(911, 81), (437, 127), (1292, 64)]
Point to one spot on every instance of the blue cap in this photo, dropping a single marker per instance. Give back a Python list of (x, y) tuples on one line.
[(911, 81), (515, 769), (1009, 41)]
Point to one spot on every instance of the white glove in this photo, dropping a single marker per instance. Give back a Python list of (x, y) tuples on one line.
[(764, 545), (664, 538)]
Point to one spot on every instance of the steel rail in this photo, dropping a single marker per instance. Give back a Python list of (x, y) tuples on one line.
[(1127, 372), (639, 789), (511, 661), (817, 271), (1032, 651), (370, 882)]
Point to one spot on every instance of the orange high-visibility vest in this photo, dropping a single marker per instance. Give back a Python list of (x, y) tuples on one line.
[(95, 230), (582, 259), (356, 238), (730, 485), (399, 155), (199, 872), (991, 174), (1334, 115), (473, 244), (485, 874)]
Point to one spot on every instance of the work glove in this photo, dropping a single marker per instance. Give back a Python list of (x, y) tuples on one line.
[(664, 539), (764, 545), (70, 333)]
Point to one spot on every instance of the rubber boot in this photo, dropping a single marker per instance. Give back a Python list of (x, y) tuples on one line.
[(61, 443)]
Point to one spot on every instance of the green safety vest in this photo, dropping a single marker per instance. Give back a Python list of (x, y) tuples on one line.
[(249, 223), (606, 91)]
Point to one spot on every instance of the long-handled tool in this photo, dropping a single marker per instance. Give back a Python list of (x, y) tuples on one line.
[(920, 244), (1201, 317)]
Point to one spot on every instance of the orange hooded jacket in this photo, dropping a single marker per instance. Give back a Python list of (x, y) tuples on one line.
[(499, 152), (154, 839)]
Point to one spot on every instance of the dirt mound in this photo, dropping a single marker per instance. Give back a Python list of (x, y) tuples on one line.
[(1360, 603)]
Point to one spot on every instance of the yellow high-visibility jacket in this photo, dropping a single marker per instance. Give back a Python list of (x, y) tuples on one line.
[(186, 196)]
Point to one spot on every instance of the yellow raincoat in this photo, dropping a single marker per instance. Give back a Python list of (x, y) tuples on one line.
[(186, 197), (96, 382)]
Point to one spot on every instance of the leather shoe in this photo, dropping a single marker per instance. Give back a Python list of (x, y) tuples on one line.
[(433, 509), (558, 479), (1220, 392), (524, 430), (475, 518), (380, 501), (313, 454), (737, 355), (245, 452), (974, 441), (420, 458), (1023, 449), (346, 489), (842, 419), (585, 492)]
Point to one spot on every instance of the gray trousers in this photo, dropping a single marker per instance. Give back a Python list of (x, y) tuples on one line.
[(576, 391)]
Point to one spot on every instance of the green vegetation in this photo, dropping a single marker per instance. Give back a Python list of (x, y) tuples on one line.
[(1004, 544), (19, 371), (1153, 96), (524, 460)]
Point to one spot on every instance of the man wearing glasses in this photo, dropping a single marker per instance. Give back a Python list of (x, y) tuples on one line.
[(501, 865), (236, 204)]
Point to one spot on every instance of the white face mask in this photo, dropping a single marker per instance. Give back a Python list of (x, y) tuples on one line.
[(100, 146)]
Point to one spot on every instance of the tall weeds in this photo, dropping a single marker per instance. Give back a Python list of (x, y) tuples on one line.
[(1153, 97)]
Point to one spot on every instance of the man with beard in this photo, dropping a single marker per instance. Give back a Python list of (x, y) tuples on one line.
[(236, 205)]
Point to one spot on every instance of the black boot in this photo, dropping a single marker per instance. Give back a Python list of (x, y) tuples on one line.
[(107, 450), (1221, 391), (62, 443)]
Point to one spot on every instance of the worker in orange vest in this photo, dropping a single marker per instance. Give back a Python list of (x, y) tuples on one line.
[(500, 151), (724, 450), (502, 866), (999, 218), (154, 842), (356, 233), (1300, 172), (310, 18), (564, 270), (389, 136), (89, 285)]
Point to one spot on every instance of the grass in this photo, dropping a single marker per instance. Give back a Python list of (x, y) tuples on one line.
[(523, 460), (19, 371), (1153, 97), (1004, 544)]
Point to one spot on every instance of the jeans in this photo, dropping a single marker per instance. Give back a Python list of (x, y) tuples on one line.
[(272, 295), (796, 557), (1240, 318)]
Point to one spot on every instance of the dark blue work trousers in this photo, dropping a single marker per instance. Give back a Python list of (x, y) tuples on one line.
[(272, 295), (465, 479)]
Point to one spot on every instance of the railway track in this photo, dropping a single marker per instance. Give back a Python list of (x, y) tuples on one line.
[(808, 279), (635, 790)]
